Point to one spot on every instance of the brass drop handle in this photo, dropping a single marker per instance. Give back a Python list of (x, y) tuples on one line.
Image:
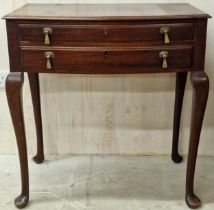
[(49, 56), (47, 31), (165, 31), (164, 55)]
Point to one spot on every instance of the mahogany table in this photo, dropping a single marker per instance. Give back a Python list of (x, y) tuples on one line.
[(107, 39)]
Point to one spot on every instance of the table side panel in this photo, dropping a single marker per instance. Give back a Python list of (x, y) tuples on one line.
[(200, 44), (13, 46)]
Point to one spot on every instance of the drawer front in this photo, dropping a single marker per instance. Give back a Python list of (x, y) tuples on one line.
[(58, 34), (77, 60)]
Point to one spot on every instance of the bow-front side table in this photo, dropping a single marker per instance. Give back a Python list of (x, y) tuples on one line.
[(107, 39)]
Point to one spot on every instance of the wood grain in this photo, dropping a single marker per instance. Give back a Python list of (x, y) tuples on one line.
[(106, 60), (71, 34), (106, 12)]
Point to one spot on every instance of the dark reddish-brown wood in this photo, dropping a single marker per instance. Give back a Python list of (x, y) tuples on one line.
[(81, 27), (103, 60), (35, 93), (14, 84), (105, 33), (200, 84), (200, 44), (179, 94), (107, 39), (13, 45), (107, 12)]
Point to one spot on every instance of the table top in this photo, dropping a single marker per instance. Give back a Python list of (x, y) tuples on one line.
[(106, 12)]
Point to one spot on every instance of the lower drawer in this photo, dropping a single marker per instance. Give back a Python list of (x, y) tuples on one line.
[(108, 60)]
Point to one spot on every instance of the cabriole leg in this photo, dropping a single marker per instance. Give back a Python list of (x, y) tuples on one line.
[(200, 84), (14, 84), (35, 93), (179, 94)]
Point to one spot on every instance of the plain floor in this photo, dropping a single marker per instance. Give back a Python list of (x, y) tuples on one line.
[(106, 183)]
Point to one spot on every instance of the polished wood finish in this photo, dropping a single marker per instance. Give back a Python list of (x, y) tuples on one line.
[(108, 60), (14, 52), (73, 34), (188, 49), (35, 93), (179, 94), (106, 12), (200, 84), (14, 84), (107, 39)]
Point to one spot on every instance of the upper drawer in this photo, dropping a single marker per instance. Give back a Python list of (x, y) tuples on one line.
[(42, 34)]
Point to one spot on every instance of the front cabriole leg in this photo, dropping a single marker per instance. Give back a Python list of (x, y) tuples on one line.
[(200, 84), (14, 84)]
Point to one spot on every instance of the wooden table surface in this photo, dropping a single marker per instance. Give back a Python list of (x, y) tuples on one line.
[(106, 11)]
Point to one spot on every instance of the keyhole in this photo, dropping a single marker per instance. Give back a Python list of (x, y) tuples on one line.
[(105, 54), (106, 31)]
